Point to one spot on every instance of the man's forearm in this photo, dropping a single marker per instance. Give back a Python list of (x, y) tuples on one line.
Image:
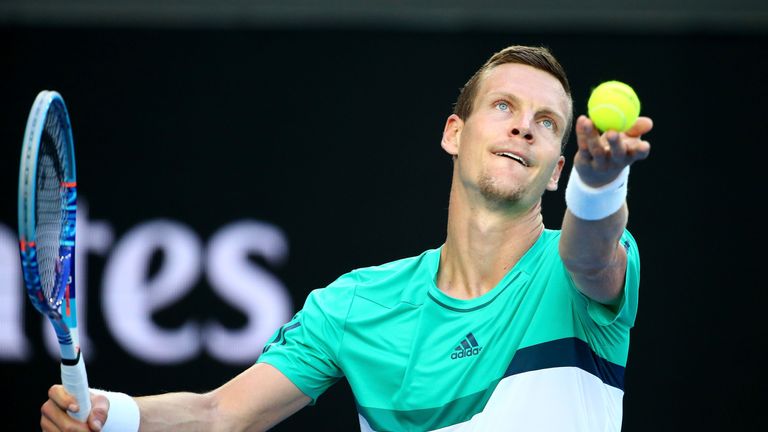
[(187, 412), (591, 253)]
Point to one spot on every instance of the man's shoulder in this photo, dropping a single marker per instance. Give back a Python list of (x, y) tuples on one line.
[(385, 273), (390, 283)]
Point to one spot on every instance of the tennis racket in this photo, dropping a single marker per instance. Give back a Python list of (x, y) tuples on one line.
[(47, 214)]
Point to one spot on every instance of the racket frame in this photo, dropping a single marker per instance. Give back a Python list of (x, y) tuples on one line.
[(73, 372)]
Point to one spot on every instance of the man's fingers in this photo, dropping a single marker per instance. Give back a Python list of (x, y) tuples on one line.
[(612, 149), (47, 425), (639, 151), (58, 394), (95, 423), (591, 146), (642, 126), (618, 147), (99, 409), (585, 132), (54, 418)]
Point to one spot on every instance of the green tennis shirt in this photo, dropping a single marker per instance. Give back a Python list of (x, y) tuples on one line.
[(532, 354)]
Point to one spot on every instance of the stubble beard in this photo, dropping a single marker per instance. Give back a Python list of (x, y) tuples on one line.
[(498, 196)]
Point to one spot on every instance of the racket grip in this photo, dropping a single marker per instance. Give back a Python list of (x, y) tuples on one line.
[(75, 380)]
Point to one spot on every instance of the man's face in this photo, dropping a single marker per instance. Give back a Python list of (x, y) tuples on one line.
[(508, 149)]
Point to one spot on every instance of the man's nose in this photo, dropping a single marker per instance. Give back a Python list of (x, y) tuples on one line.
[(522, 131), (522, 127)]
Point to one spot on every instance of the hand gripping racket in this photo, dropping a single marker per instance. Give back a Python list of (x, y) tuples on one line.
[(47, 212)]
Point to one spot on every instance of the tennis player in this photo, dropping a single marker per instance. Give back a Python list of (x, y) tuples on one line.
[(506, 326)]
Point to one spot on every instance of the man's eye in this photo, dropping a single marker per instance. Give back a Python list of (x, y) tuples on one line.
[(502, 106), (549, 124)]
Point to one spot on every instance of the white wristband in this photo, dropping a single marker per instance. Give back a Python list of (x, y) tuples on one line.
[(123, 415), (590, 203)]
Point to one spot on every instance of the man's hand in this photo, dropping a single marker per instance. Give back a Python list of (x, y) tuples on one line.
[(601, 158), (54, 417)]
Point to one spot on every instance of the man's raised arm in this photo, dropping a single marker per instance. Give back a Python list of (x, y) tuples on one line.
[(597, 213)]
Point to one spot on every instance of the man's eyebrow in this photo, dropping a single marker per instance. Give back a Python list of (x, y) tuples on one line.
[(504, 95), (512, 98)]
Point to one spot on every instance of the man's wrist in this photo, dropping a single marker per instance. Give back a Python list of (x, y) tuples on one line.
[(123, 415), (595, 203)]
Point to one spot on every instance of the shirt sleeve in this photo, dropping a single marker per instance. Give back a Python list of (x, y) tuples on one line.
[(306, 348), (626, 312)]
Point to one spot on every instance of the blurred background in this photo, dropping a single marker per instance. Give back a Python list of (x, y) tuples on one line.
[(234, 155)]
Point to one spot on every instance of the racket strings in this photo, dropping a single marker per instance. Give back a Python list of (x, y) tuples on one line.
[(50, 206)]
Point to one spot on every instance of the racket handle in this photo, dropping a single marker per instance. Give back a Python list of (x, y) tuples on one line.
[(75, 380)]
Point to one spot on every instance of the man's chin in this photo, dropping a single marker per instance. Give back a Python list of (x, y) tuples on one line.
[(509, 196)]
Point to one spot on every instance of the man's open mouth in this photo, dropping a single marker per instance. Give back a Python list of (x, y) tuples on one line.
[(512, 156)]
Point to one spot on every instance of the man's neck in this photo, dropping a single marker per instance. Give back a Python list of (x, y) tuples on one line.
[(482, 245)]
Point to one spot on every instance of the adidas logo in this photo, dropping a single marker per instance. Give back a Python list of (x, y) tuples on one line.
[(468, 347)]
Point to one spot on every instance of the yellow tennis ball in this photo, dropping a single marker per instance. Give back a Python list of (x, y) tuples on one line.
[(613, 105)]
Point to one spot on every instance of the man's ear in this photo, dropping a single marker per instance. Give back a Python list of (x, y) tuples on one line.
[(552, 185), (452, 135)]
